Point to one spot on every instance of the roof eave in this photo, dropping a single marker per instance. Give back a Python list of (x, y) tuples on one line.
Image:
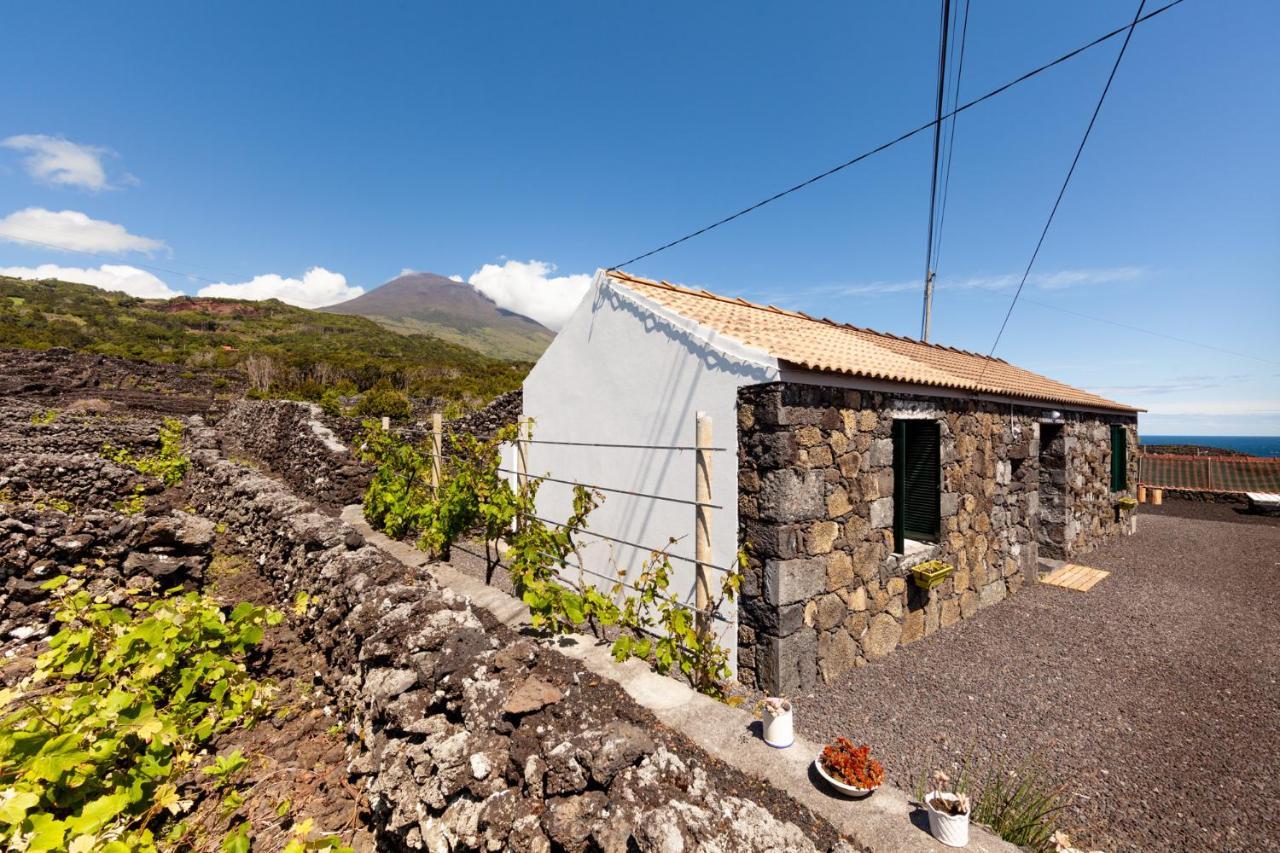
[(974, 390)]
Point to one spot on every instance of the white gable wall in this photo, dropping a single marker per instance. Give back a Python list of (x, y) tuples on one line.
[(624, 370)]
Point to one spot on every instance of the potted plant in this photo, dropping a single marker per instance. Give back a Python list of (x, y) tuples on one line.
[(1126, 505), (948, 812), (777, 721), (931, 574), (849, 769)]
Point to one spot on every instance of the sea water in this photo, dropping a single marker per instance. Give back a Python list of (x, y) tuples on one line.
[(1254, 445)]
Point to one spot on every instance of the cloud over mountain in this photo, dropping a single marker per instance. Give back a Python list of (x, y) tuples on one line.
[(317, 287), (529, 288)]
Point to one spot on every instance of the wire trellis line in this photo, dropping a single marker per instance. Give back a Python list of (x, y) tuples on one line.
[(611, 489), (621, 446), (691, 608), (631, 544)]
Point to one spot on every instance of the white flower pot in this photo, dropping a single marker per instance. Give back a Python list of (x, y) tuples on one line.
[(951, 830), (779, 729)]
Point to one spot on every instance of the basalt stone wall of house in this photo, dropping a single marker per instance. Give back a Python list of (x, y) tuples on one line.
[(1092, 517), (824, 591)]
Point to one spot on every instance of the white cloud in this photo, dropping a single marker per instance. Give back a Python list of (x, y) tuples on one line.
[(126, 279), (1209, 417), (1060, 280), (55, 160), (1074, 278), (74, 231), (317, 287), (1175, 385), (456, 278), (1212, 408), (529, 289)]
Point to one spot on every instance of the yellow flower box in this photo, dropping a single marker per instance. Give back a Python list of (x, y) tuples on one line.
[(931, 574)]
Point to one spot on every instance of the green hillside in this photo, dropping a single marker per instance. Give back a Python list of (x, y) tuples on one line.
[(296, 349)]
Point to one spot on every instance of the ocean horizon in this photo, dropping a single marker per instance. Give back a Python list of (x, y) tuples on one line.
[(1254, 445)]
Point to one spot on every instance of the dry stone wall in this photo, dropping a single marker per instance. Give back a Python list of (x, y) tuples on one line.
[(467, 736), (60, 376), (314, 453), (293, 441), (824, 590), (59, 508)]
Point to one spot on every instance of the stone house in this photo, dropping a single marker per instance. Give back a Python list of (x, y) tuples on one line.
[(847, 457)]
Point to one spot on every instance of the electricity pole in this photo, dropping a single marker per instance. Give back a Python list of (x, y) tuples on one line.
[(933, 183)]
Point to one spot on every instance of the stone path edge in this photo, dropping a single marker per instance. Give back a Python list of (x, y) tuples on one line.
[(880, 824)]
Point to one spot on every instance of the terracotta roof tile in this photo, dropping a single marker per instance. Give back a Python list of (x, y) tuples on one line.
[(827, 346)]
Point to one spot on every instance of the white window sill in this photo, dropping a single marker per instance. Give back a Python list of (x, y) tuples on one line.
[(914, 553)]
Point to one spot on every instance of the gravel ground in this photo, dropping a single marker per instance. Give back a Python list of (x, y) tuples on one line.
[(1154, 697)]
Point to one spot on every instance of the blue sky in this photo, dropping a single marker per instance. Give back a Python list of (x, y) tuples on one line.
[(242, 141)]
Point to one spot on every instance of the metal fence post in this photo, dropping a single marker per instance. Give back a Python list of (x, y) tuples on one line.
[(437, 442), (702, 524)]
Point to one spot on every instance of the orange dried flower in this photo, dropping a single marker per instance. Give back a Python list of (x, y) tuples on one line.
[(851, 764)]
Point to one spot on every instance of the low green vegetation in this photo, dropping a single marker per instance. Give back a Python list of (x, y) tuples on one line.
[(331, 402), (281, 350), (123, 703), (134, 504), (169, 464), (48, 416), (641, 614), (1020, 805), (382, 401)]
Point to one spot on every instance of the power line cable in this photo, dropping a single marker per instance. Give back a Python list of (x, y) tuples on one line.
[(951, 144), (944, 27), (1065, 182), (1133, 328), (902, 138)]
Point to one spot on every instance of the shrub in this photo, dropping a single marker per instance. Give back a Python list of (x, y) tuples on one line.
[(331, 403), (382, 401), (399, 487), (119, 708), (651, 623)]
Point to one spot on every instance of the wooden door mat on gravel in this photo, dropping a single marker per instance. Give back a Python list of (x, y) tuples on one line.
[(1071, 576)]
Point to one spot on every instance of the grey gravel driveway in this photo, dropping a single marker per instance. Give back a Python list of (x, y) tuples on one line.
[(1154, 697)]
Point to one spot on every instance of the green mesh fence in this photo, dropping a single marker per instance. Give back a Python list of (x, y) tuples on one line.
[(1209, 473)]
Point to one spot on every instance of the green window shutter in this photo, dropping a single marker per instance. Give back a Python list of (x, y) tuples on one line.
[(1119, 458), (917, 481)]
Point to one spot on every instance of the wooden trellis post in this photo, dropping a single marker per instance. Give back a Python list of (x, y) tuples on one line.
[(437, 443), (702, 524), (522, 459)]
